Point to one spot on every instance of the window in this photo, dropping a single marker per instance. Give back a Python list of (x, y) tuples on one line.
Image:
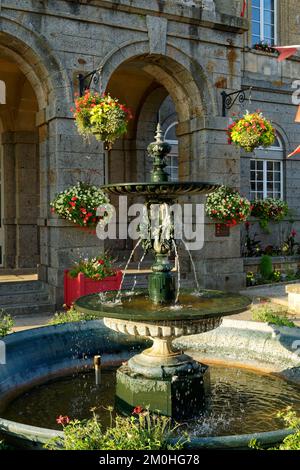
[(264, 21), (172, 158), (266, 172)]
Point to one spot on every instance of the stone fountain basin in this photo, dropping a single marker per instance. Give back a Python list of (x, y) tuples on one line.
[(167, 190), (139, 308), (36, 356)]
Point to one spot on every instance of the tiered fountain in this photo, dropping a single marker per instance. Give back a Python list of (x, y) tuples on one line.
[(161, 377)]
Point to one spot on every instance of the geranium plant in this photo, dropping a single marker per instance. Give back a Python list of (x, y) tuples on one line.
[(96, 268), (269, 210), (265, 47), (227, 206), (101, 115), (80, 204), (251, 131)]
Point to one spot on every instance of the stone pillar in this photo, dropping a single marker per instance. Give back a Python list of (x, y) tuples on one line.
[(205, 156), (66, 158), (9, 204), (27, 199)]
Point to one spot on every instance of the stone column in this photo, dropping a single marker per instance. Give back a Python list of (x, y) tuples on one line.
[(9, 203), (206, 156), (27, 199), (66, 158)]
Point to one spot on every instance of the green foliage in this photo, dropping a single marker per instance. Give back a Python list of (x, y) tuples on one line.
[(227, 206), (291, 442), (96, 268), (6, 323), (71, 316), (251, 131), (142, 432), (3, 446), (269, 210), (266, 267), (268, 313), (81, 205)]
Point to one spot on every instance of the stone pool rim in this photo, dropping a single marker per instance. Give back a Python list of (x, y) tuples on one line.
[(35, 437)]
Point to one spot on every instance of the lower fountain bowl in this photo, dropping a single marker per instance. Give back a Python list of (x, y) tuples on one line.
[(31, 361)]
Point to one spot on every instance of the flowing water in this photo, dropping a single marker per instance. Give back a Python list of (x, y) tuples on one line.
[(178, 271), (193, 265), (239, 402)]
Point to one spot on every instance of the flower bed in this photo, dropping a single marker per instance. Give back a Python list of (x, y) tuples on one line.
[(251, 131)]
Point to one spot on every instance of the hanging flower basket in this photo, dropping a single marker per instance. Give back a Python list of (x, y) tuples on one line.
[(83, 204), (90, 276), (227, 206), (269, 210), (251, 131), (101, 116)]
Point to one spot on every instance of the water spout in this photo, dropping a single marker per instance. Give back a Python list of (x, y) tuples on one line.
[(97, 366)]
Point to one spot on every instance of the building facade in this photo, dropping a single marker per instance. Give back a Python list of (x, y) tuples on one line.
[(170, 59)]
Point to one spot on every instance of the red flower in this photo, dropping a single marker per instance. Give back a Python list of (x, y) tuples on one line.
[(293, 233), (137, 410), (73, 204), (63, 420), (74, 198), (100, 261)]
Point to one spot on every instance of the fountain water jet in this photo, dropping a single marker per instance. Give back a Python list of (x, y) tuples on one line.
[(161, 377)]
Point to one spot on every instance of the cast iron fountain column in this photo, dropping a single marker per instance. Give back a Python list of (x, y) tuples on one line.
[(161, 283)]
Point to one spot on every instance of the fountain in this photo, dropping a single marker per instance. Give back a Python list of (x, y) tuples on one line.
[(161, 377)]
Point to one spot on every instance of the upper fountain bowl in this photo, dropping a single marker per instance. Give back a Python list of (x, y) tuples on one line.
[(161, 190)]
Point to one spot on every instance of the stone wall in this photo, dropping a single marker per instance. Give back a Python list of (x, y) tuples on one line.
[(193, 52)]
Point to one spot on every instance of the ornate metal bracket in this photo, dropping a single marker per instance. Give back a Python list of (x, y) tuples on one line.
[(229, 99), (94, 77)]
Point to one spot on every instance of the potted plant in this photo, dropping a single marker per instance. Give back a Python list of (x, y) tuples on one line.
[(101, 116), (265, 47), (89, 276), (227, 206), (83, 204), (269, 210), (251, 131)]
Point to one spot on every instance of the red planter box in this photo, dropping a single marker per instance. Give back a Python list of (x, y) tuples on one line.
[(81, 285)]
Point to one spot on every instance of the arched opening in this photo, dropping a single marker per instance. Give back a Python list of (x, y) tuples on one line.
[(156, 89), (19, 141)]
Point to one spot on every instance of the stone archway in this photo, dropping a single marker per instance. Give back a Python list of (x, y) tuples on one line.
[(30, 73)]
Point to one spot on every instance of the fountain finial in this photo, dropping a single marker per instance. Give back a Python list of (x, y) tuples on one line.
[(159, 134), (158, 150)]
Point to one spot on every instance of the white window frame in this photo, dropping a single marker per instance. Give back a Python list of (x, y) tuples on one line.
[(172, 143), (262, 22), (262, 154)]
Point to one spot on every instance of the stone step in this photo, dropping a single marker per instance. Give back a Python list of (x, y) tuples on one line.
[(28, 309), (21, 286), (27, 297)]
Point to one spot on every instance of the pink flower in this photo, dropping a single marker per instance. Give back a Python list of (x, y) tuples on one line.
[(63, 420), (137, 410)]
